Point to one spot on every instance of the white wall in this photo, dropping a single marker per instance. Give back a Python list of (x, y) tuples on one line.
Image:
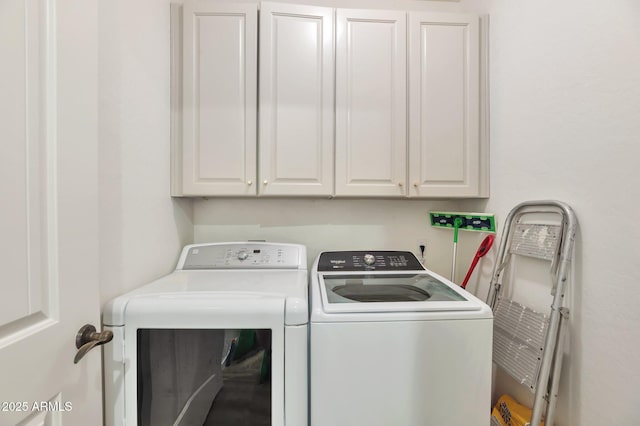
[(565, 124), (142, 228), (330, 225)]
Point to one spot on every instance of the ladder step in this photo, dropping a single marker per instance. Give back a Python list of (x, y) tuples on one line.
[(518, 340)]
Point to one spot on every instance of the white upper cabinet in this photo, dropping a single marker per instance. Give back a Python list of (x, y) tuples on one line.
[(296, 100), (446, 155), (219, 76), (352, 102), (371, 93)]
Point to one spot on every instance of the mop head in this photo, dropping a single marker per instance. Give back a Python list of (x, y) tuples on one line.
[(482, 222), (508, 412)]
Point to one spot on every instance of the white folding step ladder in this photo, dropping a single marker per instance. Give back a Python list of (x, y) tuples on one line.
[(527, 343)]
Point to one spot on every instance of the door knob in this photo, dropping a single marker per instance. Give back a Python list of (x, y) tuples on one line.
[(88, 338)]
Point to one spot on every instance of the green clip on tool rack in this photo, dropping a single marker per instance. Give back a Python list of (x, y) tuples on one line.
[(480, 222)]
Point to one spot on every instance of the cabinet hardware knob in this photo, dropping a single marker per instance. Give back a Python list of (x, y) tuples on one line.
[(249, 182), (400, 184), (415, 184), (265, 182)]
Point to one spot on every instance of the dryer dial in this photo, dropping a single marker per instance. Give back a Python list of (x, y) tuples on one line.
[(369, 259)]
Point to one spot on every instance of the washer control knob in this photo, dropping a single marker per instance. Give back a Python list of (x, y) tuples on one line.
[(369, 259), (242, 255)]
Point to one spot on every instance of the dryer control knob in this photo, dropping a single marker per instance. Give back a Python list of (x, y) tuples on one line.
[(369, 259), (242, 255)]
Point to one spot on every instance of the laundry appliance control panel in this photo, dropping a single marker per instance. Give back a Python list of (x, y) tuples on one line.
[(368, 261), (241, 256)]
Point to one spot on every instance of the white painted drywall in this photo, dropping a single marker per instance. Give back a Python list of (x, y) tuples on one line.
[(142, 229), (565, 124), (329, 225)]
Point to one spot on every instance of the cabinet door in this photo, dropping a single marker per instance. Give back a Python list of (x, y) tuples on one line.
[(371, 103), (444, 133), (219, 98), (296, 100)]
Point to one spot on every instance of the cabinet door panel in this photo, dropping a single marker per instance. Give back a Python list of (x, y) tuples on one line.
[(219, 99), (371, 103), (444, 147), (296, 100)]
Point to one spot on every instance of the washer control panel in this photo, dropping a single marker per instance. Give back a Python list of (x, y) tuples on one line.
[(242, 256), (368, 261)]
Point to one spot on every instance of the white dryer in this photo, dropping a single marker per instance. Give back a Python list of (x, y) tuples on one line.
[(392, 343), (175, 353)]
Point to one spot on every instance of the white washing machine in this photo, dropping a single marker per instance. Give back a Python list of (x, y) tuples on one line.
[(221, 340), (395, 344)]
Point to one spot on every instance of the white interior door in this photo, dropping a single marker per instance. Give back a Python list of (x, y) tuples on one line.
[(48, 188)]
